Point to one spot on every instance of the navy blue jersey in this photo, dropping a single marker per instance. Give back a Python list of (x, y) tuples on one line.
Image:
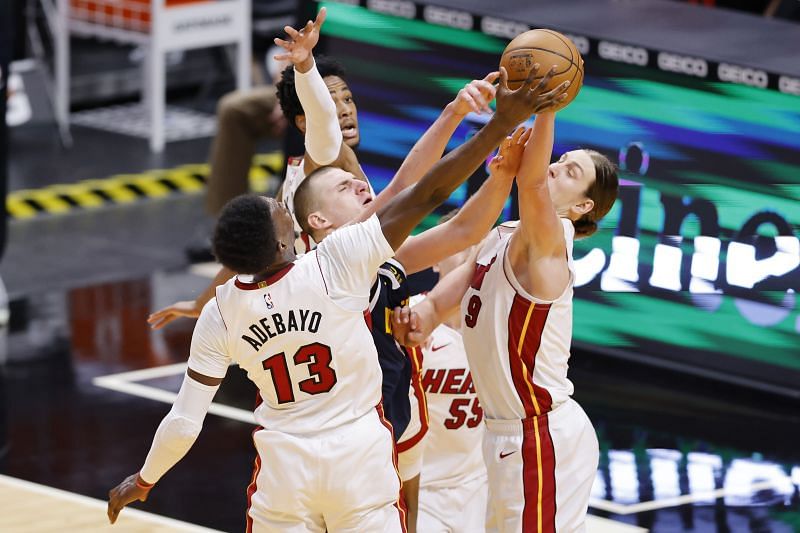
[(389, 291)]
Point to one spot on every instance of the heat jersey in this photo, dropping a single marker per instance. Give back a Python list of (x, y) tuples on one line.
[(300, 335), (452, 454), (518, 346)]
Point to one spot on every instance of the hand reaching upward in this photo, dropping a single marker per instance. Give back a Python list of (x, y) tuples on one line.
[(301, 44), (530, 99), (505, 164)]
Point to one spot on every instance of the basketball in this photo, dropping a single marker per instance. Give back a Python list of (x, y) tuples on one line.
[(548, 48)]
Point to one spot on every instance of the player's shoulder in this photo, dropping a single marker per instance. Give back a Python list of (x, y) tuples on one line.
[(210, 319), (393, 271)]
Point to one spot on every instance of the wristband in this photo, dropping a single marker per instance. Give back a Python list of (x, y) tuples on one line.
[(142, 484)]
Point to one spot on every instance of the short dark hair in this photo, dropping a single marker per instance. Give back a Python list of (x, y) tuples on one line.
[(305, 202), (244, 237), (287, 94)]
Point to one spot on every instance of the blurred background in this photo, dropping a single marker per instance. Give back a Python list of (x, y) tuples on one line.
[(686, 351)]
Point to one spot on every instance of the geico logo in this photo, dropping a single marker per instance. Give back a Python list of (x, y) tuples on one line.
[(581, 43), (502, 28), (743, 75), (625, 54), (447, 17), (789, 85), (398, 8), (683, 64)]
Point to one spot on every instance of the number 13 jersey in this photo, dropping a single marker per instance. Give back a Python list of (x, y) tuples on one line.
[(517, 346), (301, 335)]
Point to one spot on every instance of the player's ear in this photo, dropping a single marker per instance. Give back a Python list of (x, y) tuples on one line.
[(318, 222), (300, 122), (584, 207)]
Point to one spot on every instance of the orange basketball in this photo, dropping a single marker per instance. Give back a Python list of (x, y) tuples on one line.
[(548, 48)]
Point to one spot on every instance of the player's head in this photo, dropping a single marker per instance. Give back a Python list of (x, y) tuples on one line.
[(333, 75), (329, 198), (253, 233), (583, 186)]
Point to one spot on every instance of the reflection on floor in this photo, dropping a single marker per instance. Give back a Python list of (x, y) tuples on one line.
[(86, 382)]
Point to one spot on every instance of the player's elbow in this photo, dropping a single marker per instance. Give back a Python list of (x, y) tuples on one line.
[(180, 432)]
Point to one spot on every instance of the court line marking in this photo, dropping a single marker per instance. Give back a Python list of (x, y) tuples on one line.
[(123, 382), (22, 484)]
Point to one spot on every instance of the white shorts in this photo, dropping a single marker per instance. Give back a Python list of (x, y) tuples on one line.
[(459, 509), (541, 470), (343, 479)]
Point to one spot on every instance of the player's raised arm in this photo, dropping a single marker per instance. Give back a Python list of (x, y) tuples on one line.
[(474, 96), (323, 137), (408, 209), (540, 231), (475, 219)]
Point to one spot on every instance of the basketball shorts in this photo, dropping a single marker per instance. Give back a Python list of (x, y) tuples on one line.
[(541, 471), (340, 480), (460, 509)]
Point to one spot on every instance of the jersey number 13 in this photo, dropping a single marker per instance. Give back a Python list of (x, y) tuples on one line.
[(321, 378)]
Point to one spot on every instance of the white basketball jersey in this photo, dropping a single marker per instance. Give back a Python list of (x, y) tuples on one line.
[(295, 174), (301, 335), (518, 346), (453, 443)]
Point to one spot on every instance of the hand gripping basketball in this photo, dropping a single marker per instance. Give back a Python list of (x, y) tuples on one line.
[(518, 105)]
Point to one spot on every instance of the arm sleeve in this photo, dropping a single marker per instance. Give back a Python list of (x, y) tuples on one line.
[(323, 134), (179, 429), (349, 259), (208, 354)]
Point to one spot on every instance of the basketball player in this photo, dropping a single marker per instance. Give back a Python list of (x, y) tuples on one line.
[(314, 111), (297, 328), (540, 448), (453, 484)]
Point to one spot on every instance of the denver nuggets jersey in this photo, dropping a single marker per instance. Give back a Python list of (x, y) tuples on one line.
[(518, 346), (389, 291), (453, 443), (300, 335)]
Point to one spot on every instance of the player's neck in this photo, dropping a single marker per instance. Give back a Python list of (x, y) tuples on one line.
[(280, 264)]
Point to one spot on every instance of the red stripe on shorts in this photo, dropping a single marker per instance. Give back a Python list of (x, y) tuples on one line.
[(415, 356), (539, 512), (400, 504), (251, 488), (548, 475)]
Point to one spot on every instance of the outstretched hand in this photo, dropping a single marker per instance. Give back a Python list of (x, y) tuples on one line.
[(301, 43), (130, 490), (529, 99), (164, 316), (505, 164), (476, 95)]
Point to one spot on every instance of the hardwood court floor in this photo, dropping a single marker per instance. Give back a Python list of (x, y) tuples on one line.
[(29, 507)]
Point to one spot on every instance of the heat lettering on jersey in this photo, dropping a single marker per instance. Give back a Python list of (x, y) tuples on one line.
[(276, 324), (447, 381)]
